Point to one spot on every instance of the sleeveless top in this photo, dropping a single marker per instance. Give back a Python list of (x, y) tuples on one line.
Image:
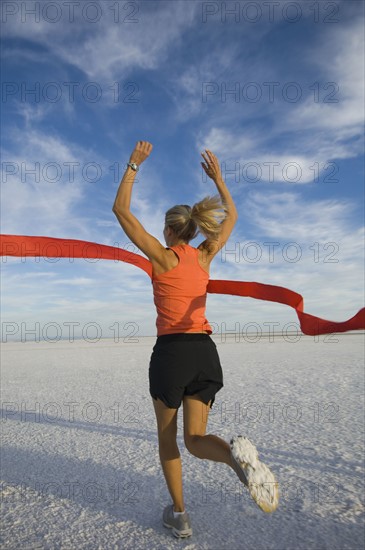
[(180, 294)]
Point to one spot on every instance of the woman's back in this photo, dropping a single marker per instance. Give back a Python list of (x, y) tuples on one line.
[(180, 293), (169, 260)]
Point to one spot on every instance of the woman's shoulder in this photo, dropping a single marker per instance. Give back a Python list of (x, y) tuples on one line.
[(172, 254), (168, 260)]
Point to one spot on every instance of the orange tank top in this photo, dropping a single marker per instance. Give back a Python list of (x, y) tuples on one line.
[(180, 294)]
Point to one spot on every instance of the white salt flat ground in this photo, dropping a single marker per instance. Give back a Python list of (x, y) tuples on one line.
[(82, 470)]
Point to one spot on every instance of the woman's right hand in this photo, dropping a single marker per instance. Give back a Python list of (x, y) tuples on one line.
[(211, 165)]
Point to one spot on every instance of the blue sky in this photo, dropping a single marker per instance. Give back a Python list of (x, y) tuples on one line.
[(108, 74)]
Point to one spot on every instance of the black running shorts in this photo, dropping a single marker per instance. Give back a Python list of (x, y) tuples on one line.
[(184, 364)]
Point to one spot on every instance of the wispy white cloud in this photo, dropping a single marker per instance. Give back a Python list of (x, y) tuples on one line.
[(246, 158), (41, 201), (282, 214), (339, 57), (111, 45), (323, 132)]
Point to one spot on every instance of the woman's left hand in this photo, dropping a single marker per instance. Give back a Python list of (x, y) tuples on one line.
[(141, 152)]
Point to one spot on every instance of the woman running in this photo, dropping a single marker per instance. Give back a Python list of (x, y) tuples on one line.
[(185, 366)]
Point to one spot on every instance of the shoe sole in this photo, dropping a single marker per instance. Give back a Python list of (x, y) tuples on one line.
[(179, 534), (255, 475)]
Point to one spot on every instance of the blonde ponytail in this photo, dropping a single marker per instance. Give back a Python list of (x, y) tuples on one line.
[(205, 217)]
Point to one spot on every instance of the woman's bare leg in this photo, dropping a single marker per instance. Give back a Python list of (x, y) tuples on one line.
[(169, 452), (210, 446)]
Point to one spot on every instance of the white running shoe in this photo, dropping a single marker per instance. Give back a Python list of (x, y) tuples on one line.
[(257, 477), (180, 526)]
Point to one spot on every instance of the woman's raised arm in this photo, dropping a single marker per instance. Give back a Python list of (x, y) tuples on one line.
[(212, 169), (123, 199)]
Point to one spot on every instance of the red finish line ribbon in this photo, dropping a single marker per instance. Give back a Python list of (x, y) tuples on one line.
[(50, 247)]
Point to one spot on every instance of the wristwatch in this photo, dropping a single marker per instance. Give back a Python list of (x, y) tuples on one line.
[(133, 165)]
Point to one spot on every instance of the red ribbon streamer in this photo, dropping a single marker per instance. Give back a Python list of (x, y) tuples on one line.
[(50, 247)]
